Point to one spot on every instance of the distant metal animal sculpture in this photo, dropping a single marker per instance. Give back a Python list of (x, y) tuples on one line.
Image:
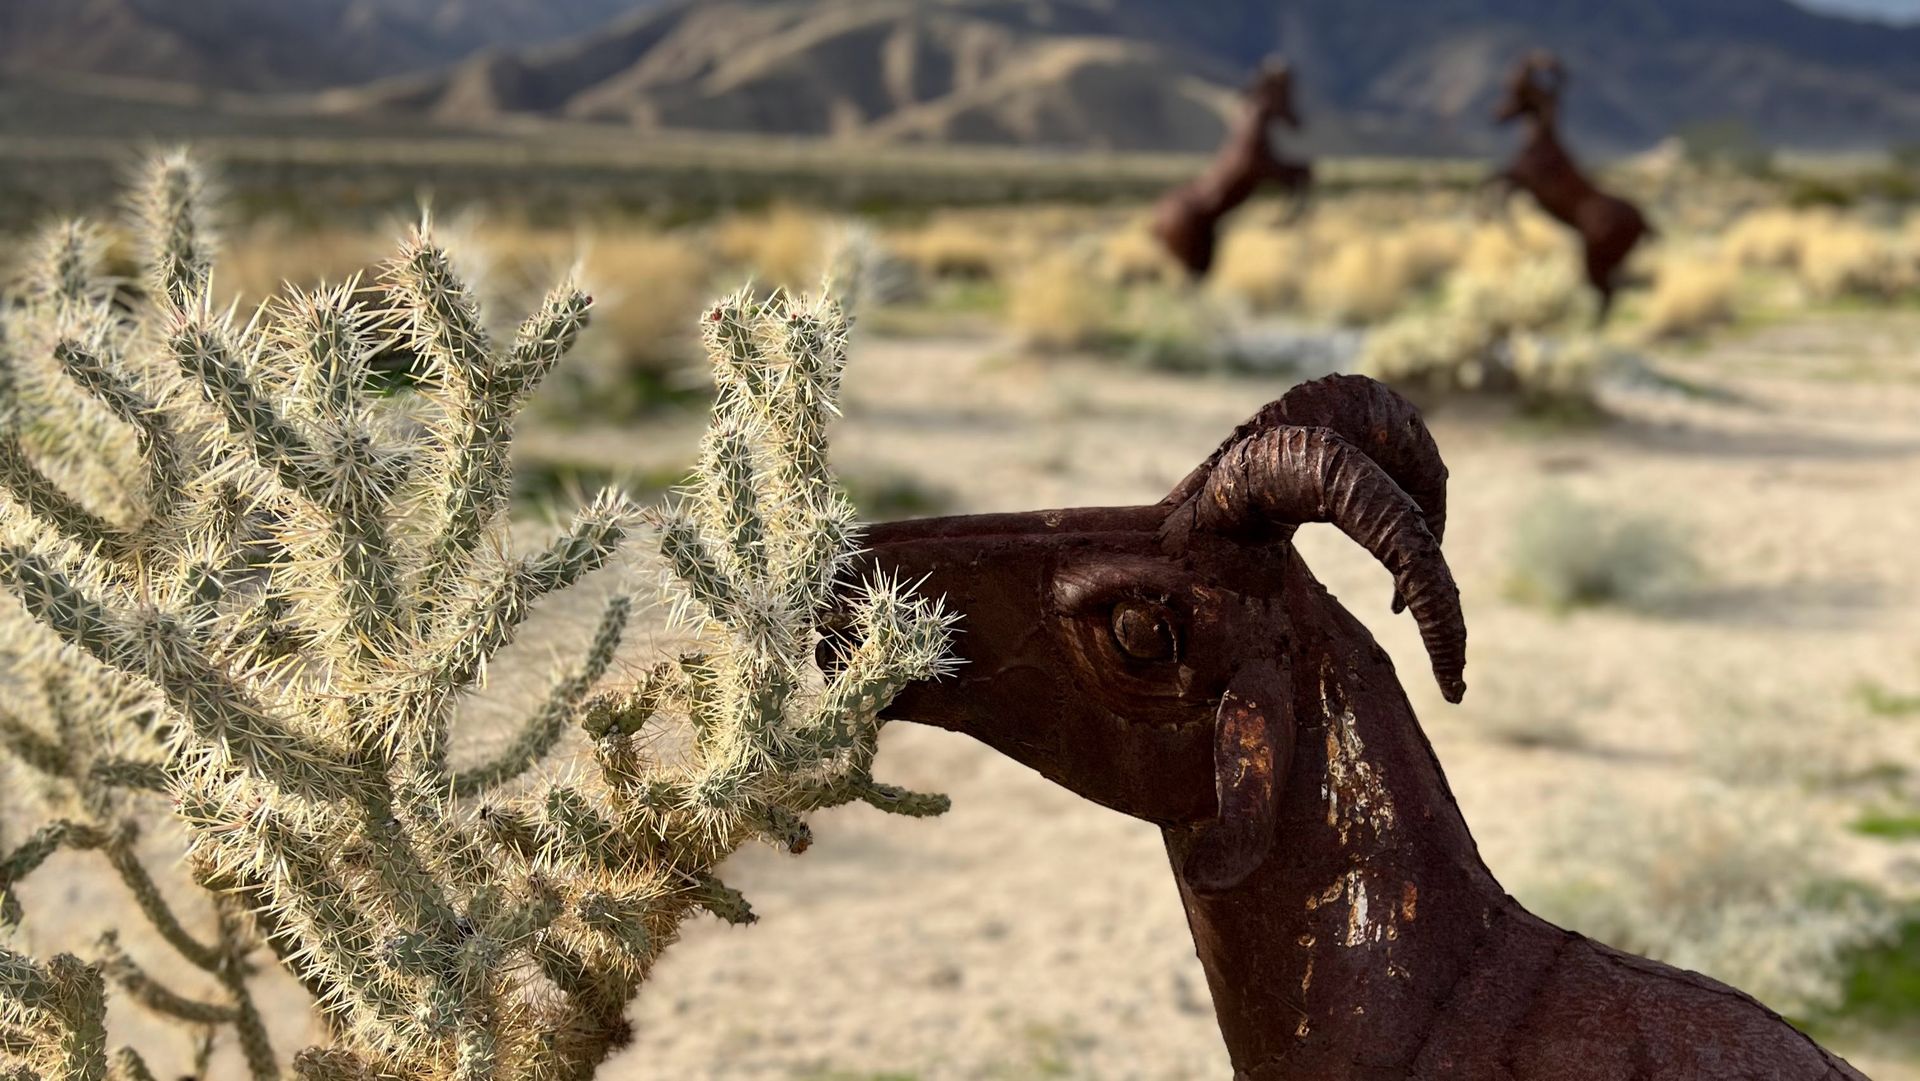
[(1179, 663), (1609, 226), (1187, 219)]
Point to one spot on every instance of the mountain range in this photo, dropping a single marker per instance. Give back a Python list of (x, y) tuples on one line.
[(1375, 76)]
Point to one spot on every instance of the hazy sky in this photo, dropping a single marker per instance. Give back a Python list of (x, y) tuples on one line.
[(1904, 10)]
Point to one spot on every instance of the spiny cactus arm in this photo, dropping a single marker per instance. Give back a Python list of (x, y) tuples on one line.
[(728, 489), (231, 729), (900, 640), (318, 926), (95, 366), (128, 773), (153, 905), (32, 749), (153, 995), (236, 942), (893, 799), (171, 208), (208, 353), (63, 267), (543, 730), (729, 904), (62, 1007), (708, 584), (331, 1064), (811, 344), (50, 505), (127, 1065), (36, 850), (733, 331), (479, 392), (322, 340), (486, 622)]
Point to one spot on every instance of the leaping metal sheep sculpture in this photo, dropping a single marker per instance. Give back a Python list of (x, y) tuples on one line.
[(1187, 219), (1179, 663), (1609, 226)]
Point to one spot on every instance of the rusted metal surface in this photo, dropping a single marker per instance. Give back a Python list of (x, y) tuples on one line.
[(1187, 219), (1609, 226), (1179, 663)]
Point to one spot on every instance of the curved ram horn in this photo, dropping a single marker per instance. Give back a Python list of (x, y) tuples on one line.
[(1370, 415), (1288, 476)]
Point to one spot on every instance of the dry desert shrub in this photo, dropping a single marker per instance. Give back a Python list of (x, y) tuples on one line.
[(956, 248), (1490, 336), (1768, 239), (1731, 883), (1491, 249), (1359, 282), (1534, 295), (783, 247), (1691, 295), (1569, 553), (1132, 255), (265, 258), (1057, 302), (1267, 268), (1831, 254), (1850, 260), (1356, 271)]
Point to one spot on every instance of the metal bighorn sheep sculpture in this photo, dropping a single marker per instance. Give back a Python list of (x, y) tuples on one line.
[(1609, 226), (1187, 219), (1179, 663)]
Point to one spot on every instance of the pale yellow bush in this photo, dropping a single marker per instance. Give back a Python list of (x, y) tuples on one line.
[(1849, 259), (1134, 256), (784, 246), (1057, 302), (647, 286), (1769, 239), (1494, 248), (1485, 338), (1267, 268), (1360, 283), (1429, 250), (264, 258), (953, 248), (1692, 294)]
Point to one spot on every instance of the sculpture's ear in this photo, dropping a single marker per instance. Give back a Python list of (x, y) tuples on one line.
[(1253, 736)]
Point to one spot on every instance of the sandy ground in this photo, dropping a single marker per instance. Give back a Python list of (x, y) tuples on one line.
[(1031, 935)]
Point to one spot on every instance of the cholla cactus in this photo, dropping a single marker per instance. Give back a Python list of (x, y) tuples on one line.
[(268, 603)]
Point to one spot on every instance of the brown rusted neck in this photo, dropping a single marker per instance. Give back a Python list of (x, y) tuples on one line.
[(1343, 946)]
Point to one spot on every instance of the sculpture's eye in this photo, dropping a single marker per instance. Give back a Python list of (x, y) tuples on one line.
[(1144, 631)]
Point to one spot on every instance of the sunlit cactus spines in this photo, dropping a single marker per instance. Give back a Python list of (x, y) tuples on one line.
[(253, 593)]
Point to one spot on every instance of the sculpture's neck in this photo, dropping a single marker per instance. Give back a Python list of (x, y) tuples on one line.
[(1543, 124), (1342, 946), (1252, 138)]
